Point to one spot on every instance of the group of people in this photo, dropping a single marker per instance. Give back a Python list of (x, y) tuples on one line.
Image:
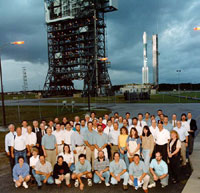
[(140, 151)]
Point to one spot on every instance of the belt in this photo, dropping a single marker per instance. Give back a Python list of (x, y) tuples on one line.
[(19, 151), (79, 145), (50, 149)]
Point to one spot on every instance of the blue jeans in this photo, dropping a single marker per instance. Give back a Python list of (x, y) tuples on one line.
[(125, 158), (125, 177), (105, 175), (146, 156), (40, 178), (18, 154)]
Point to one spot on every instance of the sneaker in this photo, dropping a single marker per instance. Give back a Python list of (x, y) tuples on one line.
[(163, 186), (187, 160), (89, 182), (100, 182), (25, 185), (16, 185), (152, 185), (130, 182), (76, 184), (107, 184)]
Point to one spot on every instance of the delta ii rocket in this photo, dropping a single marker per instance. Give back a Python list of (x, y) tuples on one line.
[(145, 69)]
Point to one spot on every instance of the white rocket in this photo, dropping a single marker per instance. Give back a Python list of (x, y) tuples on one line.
[(145, 69)]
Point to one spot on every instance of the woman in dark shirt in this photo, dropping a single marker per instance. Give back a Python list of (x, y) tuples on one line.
[(61, 172)]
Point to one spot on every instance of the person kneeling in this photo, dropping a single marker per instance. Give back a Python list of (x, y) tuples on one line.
[(101, 167), (21, 173), (61, 171), (43, 172), (138, 174), (158, 171), (82, 169), (118, 171)]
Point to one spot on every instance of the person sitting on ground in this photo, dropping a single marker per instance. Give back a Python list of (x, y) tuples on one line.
[(61, 172), (43, 172), (21, 173), (82, 169), (138, 174), (158, 171), (118, 171), (101, 167)]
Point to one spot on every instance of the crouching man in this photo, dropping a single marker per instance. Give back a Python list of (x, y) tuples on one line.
[(82, 169)]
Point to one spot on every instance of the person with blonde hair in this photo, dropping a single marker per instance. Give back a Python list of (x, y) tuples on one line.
[(173, 150)]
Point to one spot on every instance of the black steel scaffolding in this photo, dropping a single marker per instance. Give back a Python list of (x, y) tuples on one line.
[(76, 46)]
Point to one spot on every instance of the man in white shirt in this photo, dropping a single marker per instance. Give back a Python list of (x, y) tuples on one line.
[(106, 117), (183, 136), (109, 127), (8, 139), (153, 128), (135, 124), (141, 123), (19, 146), (162, 137), (184, 122), (31, 140), (67, 134), (58, 133), (128, 118), (113, 139), (24, 127)]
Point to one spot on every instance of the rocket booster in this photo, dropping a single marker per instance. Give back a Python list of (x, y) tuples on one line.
[(145, 70)]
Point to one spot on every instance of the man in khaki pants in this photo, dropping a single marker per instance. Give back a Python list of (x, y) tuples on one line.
[(49, 146), (113, 139), (89, 141)]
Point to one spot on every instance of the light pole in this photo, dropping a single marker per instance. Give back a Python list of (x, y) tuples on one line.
[(1, 79), (179, 89)]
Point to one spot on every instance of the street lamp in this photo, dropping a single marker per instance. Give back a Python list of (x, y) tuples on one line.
[(1, 79), (179, 89)]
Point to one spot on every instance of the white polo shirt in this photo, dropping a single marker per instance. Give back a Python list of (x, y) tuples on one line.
[(153, 130), (19, 142), (31, 138), (24, 130), (186, 125), (67, 136), (182, 132), (113, 137), (59, 136), (162, 137), (33, 160), (138, 128)]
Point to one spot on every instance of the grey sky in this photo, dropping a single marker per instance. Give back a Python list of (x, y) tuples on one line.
[(173, 20)]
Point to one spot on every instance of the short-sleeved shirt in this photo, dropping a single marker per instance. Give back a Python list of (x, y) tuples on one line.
[(46, 168), (33, 160), (19, 142), (162, 137), (59, 136), (137, 170), (68, 158), (99, 166), (169, 126), (79, 168), (117, 168), (122, 140), (182, 132), (83, 129), (160, 169), (49, 141), (100, 140), (76, 139), (89, 136), (113, 137)]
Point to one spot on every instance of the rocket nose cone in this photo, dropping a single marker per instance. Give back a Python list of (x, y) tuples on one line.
[(145, 38)]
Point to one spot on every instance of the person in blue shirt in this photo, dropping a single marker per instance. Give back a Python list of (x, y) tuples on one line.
[(21, 173), (82, 169), (158, 171)]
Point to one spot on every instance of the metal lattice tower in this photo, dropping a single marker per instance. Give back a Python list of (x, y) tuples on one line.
[(76, 45), (25, 81)]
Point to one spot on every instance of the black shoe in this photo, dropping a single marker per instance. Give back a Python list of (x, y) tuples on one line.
[(39, 187)]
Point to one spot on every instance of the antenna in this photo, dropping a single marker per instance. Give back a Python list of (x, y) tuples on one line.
[(25, 82)]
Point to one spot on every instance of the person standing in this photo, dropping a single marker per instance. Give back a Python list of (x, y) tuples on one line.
[(183, 135), (21, 173), (158, 171), (173, 150), (39, 135), (174, 120), (89, 139), (101, 167), (100, 142), (61, 172), (166, 123), (193, 128), (118, 171), (162, 137), (49, 146), (153, 128), (24, 127), (35, 127), (138, 172), (113, 139), (67, 134), (78, 145), (8, 139), (19, 146)]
